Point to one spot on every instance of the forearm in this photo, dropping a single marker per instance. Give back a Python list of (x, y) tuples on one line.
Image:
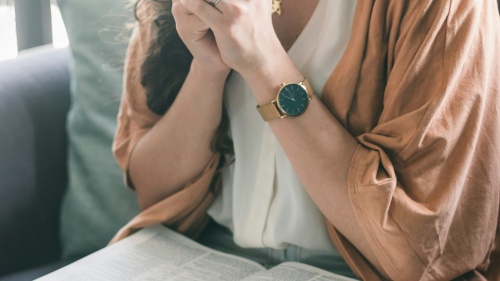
[(177, 148), (319, 148)]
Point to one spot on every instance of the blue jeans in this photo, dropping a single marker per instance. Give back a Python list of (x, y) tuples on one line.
[(221, 239)]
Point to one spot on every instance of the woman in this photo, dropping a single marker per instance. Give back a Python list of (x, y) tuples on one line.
[(397, 148)]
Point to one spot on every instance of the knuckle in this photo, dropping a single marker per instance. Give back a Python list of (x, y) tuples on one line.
[(196, 6), (239, 11), (176, 11)]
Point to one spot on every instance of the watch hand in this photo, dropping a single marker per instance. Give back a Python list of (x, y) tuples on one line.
[(292, 96)]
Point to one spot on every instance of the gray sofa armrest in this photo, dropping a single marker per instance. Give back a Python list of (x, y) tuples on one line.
[(34, 101)]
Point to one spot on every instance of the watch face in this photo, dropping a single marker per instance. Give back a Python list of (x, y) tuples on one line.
[(293, 100)]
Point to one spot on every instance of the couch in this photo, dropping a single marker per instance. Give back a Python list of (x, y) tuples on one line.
[(34, 101)]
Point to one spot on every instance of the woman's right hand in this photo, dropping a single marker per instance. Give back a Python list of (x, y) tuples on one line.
[(200, 41)]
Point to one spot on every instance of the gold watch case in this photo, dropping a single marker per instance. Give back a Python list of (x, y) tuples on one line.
[(278, 110)]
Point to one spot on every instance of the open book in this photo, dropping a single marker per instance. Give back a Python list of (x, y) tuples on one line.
[(158, 253)]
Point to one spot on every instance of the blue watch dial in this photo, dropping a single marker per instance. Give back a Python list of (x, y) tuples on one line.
[(293, 99)]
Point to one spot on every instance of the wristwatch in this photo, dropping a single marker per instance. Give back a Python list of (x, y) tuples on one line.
[(292, 100)]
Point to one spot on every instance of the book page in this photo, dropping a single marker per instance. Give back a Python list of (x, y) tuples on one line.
[(157, 253), (294, 271)]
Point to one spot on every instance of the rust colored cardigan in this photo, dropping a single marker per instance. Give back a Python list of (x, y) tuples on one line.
[(419, 88)]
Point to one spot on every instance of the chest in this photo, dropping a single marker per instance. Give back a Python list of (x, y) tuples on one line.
[(295, 16)]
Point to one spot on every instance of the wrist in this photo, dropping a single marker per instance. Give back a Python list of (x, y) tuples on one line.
[(211, 75), (265, 80)]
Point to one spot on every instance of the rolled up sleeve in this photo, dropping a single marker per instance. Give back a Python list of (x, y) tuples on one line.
[(424, 180)]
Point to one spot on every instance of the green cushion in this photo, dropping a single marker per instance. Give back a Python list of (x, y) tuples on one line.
[(97, 202)]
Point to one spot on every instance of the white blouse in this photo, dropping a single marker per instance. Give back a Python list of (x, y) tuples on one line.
[(262, 200)]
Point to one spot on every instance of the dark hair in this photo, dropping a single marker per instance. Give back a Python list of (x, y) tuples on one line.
[(165, 69)]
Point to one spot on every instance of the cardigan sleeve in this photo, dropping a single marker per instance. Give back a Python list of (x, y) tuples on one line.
[(424, 179)]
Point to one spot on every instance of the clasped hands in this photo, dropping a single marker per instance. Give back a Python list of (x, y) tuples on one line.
[(234, 34)]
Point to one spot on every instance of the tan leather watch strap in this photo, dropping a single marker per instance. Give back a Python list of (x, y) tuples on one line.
[(271, 111)]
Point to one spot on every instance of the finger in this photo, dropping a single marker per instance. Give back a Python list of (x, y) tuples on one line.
[(187, 23), (206, 12), (184, 17), (178, 9)]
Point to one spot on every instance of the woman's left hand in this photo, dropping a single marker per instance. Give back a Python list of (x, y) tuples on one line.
[(243, 30)]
